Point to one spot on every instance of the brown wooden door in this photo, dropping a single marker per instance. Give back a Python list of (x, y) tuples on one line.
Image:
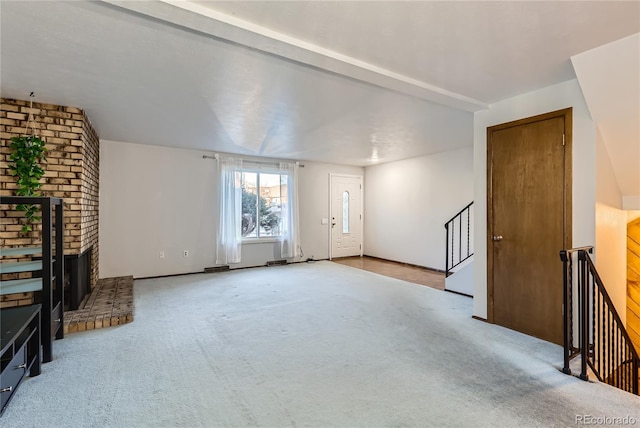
[(528, 199)]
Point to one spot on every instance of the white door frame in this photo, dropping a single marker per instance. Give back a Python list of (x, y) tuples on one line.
[(331, 175)]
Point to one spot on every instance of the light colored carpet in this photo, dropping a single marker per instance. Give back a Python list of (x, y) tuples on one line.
[(305, 345)]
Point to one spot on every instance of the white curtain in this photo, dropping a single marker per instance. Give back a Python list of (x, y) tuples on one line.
[(290, 239), (229, 243)]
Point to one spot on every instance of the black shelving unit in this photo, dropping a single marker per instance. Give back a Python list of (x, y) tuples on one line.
[(50, 283)]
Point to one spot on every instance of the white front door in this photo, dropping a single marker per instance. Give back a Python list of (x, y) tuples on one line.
[(346, 216)]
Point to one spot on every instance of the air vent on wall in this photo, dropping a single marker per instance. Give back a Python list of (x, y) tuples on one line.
[(214, 269), (276, 262)]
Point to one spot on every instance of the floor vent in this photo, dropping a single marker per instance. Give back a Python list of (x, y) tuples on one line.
[(277, 262), (216, 269)]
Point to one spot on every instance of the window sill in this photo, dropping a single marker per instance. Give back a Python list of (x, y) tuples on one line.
[(252, 241)]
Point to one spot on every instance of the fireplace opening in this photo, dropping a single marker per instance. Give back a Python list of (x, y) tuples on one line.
[(77, 279)]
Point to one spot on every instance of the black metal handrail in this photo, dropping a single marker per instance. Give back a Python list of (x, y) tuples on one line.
[(457, 249), (603, 342)]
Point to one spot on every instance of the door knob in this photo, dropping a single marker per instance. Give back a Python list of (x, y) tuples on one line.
[(497, 237)]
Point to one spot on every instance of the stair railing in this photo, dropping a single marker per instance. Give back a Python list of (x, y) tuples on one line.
[(459, 246), (601, 338)]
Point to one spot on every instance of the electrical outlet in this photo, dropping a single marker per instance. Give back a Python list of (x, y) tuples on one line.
[(162, 254), (186, 253)]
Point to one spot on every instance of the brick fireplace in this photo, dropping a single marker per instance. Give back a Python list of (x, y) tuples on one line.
[(71, 172)]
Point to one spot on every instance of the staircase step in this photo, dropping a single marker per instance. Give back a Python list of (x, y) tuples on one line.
[(19, 251), (20, 285), (17, 267)]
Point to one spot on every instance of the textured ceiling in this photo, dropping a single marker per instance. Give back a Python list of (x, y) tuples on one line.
[(486, 50), (167, 74)]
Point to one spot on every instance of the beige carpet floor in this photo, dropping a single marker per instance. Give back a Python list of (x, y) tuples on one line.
[(306, 345)]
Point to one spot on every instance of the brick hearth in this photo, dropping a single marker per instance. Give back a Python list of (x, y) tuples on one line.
[(110, 303)]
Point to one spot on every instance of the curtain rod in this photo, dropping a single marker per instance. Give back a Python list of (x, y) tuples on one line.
[(250, 161)]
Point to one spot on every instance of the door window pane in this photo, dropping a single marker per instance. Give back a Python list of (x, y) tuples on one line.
[(345, 212)]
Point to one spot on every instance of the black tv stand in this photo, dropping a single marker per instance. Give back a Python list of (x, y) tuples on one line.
[(20, 341)]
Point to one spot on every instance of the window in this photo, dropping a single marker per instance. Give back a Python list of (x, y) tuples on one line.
[(257, 203), (345, 212), (263, 198)]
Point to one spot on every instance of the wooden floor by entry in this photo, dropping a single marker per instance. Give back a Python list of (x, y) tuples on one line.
[(403, 271)]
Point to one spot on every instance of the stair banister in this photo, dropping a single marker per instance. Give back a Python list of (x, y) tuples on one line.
[(455, 228), (604, 344)]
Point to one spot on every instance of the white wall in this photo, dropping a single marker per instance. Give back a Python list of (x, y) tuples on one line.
[(556, 97), (156, 199), (314, 205), (611, 231), (608, 77), (462, 280), (406, 204)]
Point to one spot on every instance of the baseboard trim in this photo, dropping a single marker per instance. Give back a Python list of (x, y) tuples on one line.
[(167, 276), (475, 317), (457, 292)]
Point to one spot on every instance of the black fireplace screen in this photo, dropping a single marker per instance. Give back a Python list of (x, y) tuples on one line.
[(77, 284)]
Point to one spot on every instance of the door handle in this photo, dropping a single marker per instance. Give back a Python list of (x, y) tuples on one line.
[(497, 237)]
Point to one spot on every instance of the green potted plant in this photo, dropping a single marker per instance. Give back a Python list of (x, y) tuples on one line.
[(27, 153)]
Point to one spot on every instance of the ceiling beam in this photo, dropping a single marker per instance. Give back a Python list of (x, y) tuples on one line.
[(206, 21)]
